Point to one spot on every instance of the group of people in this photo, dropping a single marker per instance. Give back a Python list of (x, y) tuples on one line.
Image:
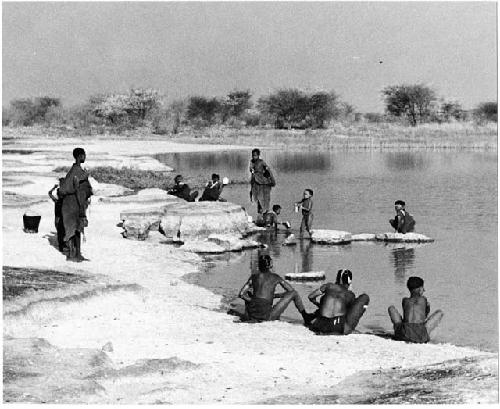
[(211, 193), (71, 200), (339, 310)]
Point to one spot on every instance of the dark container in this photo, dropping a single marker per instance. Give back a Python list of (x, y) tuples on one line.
[(31, 223)]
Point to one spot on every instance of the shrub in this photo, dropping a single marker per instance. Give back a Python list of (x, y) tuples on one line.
[(201, 110), (487, 111)]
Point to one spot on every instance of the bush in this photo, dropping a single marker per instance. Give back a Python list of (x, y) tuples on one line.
[(487, 111), (201, 110)]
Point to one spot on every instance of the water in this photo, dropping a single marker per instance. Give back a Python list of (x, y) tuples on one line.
[(452, 195)]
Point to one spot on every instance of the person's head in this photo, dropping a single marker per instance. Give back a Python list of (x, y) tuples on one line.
[(344, 278), (178, 179), (308, 193), (277, 209), (255, 154), (399, 204), (61, 181), (265, 263), (215, 177), (415, 285), (79, 155)]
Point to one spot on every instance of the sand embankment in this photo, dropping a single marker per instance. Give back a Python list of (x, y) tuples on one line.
[(170, 341)]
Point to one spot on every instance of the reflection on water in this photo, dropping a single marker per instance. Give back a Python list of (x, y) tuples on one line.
[(306, 255), (402, 259), (405, 160), (206, 162), (302, 161)]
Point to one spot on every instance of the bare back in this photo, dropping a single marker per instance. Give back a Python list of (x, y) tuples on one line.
[(264, 285), (335, 301), (415, 309)]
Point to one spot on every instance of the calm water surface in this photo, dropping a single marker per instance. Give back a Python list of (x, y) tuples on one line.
[(452, 195)]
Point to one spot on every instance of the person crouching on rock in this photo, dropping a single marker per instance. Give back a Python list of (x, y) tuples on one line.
[(259, 293), (339, 310), (416, 325), (76, 191), (404, 221), (270, 219), (182, 190), (213, 190)]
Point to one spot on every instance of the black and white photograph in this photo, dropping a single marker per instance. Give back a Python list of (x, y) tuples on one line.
[(250, 202)]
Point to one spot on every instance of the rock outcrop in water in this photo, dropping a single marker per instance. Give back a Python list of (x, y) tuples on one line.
[(343, 237), (403, 238), (330, 236)]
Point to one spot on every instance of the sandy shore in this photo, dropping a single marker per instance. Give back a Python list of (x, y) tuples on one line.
[(170, 342)]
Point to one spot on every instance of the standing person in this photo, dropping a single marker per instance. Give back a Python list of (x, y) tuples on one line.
[(404, 221), (260, 290), (58, 221), (416, 324), (261, 182), (339, 310), (306, 205), (76, 191)]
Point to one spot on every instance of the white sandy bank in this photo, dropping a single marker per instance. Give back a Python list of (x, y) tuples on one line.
[(238, 363)]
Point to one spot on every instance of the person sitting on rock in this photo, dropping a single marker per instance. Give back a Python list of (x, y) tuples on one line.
[(339, 310), (213, 190), (270, 218), (182, 190), (259, 293), (404, 221), (416, 324)]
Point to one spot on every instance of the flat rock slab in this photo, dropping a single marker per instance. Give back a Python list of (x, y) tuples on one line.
[(364, 237), (198, 220), (403, 238), (330, 236), (306, 276), (233, 243)]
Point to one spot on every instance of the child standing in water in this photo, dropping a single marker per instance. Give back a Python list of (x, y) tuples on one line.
[(306, 205), (416, 324)]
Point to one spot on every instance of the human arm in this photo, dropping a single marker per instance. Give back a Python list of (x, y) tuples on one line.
[(244, 293), (427, 307), (315, 294), (51, 194)]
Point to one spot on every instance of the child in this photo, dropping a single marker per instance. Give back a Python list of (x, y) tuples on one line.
[(306, 205), (416, 325), (404, 221), (213, 190), (57, 199), (182, 190), (271, 218)]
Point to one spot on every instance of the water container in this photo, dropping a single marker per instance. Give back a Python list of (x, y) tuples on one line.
[(31, 222)]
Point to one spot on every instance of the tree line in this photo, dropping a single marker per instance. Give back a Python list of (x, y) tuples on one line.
[(287, 108)]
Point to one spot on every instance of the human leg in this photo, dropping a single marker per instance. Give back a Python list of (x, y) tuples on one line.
[(395, 316), (303, 225), (355, 313), (283, 303), (433, 320), (309, 221)]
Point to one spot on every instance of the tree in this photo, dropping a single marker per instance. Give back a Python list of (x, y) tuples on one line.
[(411, 101), (236, 103), (451, 109), (487, 111), (203, 108)]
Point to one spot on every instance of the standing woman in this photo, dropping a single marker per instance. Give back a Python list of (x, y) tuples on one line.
[(76, 191), (261, 182)]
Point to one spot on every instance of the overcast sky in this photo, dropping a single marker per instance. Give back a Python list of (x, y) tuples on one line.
[(74, 50)]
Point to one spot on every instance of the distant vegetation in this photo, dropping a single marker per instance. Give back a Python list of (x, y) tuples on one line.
[(405, 105)]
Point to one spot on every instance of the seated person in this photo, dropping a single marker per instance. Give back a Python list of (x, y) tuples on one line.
[(270, 219), (416, 325), (213, 190), (259, 293), (182, 190), (404, 221), (339, 310)]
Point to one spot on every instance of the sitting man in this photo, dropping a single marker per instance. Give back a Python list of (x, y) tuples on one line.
[(259, 293), (213, 190), (403, 222), (339, 310), (182, 190), (416, 324)]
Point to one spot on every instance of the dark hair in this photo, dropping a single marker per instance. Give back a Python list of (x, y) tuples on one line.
[(414, 282), (310, 191), (344, 277), (77, 152), (215, 176), (276, 207), (400, 202), (265, 262), (177, 178), (257, 151)]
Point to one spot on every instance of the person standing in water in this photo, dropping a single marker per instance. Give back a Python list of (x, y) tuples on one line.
[(261, 182), (306, 205)]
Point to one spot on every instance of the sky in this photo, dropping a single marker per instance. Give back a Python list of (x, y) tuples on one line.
[(75, 50)]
